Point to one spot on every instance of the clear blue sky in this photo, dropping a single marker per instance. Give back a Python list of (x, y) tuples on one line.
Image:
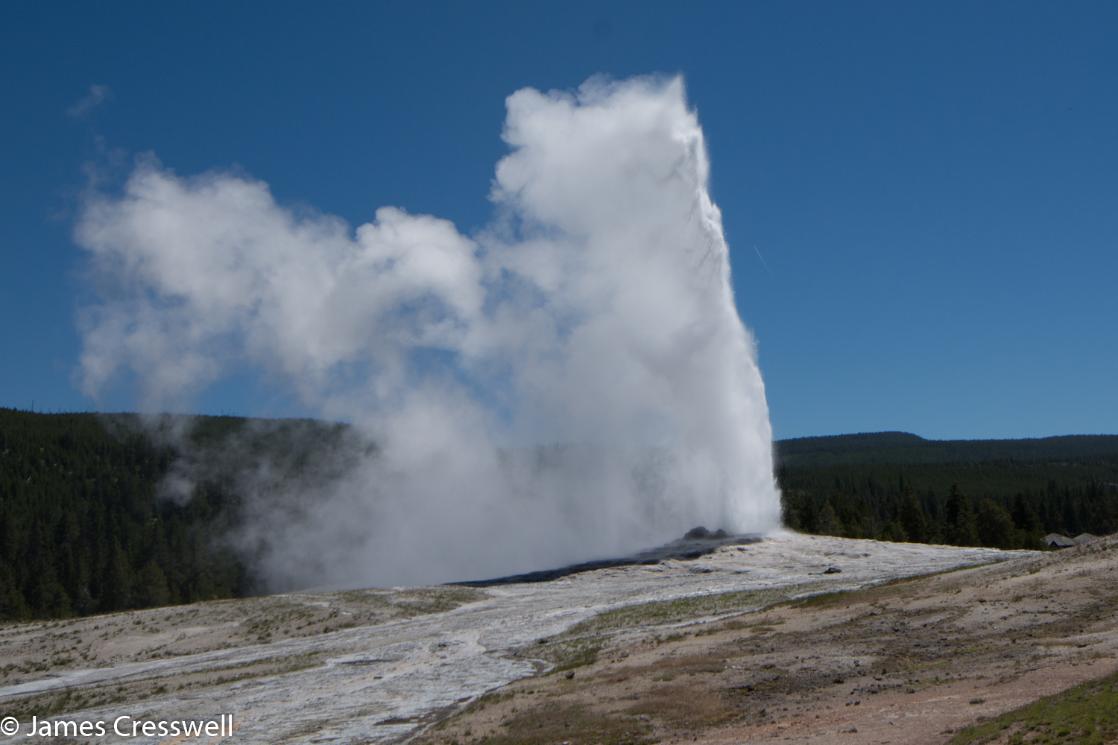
[(933, 186)]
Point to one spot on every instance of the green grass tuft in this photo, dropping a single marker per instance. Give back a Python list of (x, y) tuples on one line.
[(1084, 715)]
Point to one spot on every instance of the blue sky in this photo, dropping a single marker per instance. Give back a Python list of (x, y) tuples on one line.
[(933, 186)]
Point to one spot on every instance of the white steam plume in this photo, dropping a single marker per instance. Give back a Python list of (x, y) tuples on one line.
[(572, 382)]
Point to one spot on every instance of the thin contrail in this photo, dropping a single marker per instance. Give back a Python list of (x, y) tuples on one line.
[(762, 258)]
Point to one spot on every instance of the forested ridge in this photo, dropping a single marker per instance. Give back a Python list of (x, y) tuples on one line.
[(1001, 493), (87, 524)]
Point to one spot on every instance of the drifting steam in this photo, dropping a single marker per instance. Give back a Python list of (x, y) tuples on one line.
[(572, 382)]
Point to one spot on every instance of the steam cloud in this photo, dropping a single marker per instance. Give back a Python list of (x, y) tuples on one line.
[(574, 381)]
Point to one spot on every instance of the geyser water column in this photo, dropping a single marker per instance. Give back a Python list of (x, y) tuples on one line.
[(574, 381), (617, 233)]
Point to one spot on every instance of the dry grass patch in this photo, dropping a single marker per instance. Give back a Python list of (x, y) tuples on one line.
[(682, 706), (552, 723)]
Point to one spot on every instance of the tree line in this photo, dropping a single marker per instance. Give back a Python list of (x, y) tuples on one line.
[(82, 530), (87, 524), (1003, 494)]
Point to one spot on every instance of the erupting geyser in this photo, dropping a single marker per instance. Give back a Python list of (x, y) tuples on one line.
[(573, 381)]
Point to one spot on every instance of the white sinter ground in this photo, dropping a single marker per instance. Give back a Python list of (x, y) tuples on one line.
[(376, 683)]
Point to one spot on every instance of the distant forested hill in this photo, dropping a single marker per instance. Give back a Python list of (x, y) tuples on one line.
[(898, 486), (85, 527), (905, 448)]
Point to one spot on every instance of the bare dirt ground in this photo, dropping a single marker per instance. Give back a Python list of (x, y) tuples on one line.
[(912, 661)]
